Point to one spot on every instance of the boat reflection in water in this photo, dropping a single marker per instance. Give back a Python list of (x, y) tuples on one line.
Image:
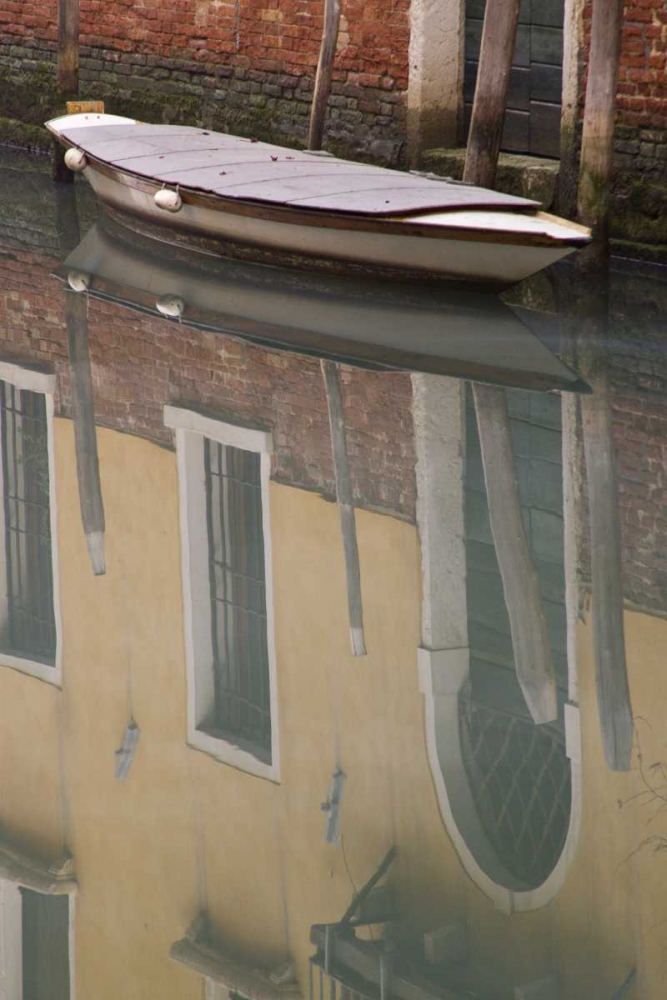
[(445, 331), (202, 789)]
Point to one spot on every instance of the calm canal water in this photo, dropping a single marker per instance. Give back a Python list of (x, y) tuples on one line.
[(228, 701)]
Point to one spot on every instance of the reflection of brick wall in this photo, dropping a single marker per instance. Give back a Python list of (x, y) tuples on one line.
[(638, 372), (639, 376), (141, 363), (640, 429)]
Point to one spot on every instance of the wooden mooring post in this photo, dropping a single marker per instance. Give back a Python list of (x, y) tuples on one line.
[(597, 143), (67, 74), (613, 692), (501, 20), (530, 639), (68, 48), (324, 73)]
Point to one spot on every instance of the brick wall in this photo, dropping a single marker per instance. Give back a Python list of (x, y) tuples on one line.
[(141, 363), (248, 65), (641, 140), (637, 361), (245, 64), (642, 84)]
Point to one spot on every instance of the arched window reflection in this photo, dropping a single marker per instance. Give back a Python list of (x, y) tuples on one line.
[(518, 772)]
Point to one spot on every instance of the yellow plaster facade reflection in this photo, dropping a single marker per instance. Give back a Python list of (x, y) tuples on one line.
[(186, 832)]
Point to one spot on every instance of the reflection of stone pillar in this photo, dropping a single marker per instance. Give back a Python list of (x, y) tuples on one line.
[(439, 421), (435, 87)]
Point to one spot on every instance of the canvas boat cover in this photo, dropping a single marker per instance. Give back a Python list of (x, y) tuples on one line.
[(234, 167)]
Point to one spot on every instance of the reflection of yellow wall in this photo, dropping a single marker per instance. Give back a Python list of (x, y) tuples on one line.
[(144, 860), (186, 831)]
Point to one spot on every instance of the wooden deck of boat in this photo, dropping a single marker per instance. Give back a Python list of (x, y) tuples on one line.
[(234, 167)]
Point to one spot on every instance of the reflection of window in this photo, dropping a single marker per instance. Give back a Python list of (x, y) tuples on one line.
[(28, 618), (519, 773), (238, 596), (27, 624), (34, 944), (520, 779), (224, 475), (228, 975)]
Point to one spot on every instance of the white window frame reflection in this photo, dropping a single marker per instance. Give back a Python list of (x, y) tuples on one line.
[(12, 942), (33, 380), (191, 429)]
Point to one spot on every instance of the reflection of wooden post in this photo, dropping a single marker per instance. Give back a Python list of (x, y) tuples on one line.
[(606, 572), (345, 506), (67, 218), (530, 639), (83, 413), (605, 529), (324, 73)]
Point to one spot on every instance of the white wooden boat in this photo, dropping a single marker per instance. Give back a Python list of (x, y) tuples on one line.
[(194, 182), (444, 330)]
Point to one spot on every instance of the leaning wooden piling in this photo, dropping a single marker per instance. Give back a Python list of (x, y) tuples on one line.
[(532, 651), (501, 20), (68, 48), (597, 141), (85, 437), (324, 73), (67, 73), (348, 526)]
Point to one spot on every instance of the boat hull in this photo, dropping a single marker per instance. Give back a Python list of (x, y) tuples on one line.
[(234, 191), (473, 258)]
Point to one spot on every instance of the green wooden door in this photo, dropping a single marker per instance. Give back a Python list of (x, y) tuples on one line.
[(532, 122)]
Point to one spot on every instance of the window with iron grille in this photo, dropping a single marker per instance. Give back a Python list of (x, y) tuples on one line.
[(241, 709), (27, 620)]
